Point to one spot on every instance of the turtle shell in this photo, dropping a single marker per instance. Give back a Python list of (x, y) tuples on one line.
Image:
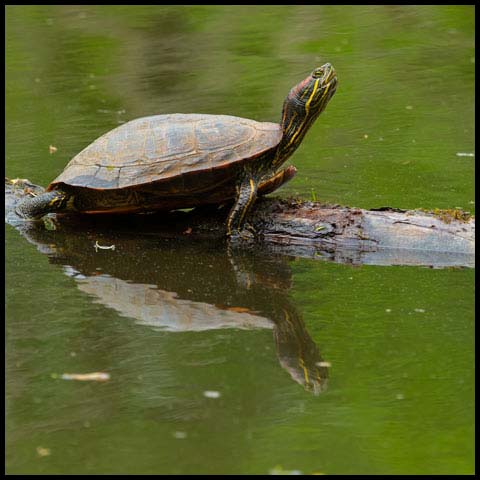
[(162, 147)]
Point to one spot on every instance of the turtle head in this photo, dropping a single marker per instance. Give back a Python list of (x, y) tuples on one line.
[(302, 106), (313, 93)]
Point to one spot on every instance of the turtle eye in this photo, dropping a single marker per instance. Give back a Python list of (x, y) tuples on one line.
[(318, 72)]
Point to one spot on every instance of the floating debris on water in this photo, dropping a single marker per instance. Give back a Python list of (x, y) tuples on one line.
[(420, 310), (211, 394), (43, 452), (52, 149), (465, 154), (279, 470), (84, 377), (103, 247)]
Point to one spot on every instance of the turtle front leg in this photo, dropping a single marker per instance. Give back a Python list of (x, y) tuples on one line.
[(246, 196), (39, 205)]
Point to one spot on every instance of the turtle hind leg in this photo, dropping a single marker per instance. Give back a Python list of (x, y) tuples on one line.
[(39, 205), (247, 194), (276, 180)]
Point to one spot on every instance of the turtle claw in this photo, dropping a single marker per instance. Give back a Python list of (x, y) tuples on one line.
[(248, 233)]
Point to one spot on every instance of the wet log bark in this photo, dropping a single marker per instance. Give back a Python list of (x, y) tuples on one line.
[(385, 236)]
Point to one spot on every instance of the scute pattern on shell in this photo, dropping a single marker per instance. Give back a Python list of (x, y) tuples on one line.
[(161, 147)]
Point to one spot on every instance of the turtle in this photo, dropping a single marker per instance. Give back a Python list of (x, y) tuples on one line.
[(178, 161)]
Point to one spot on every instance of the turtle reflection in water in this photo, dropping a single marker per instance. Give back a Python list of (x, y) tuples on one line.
[(165, 310), (175, 161), (154, 289)]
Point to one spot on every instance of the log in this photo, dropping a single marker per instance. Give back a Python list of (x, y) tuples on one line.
[(383, 236)]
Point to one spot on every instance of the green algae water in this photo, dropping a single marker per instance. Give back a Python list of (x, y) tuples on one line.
[(247, 362)]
